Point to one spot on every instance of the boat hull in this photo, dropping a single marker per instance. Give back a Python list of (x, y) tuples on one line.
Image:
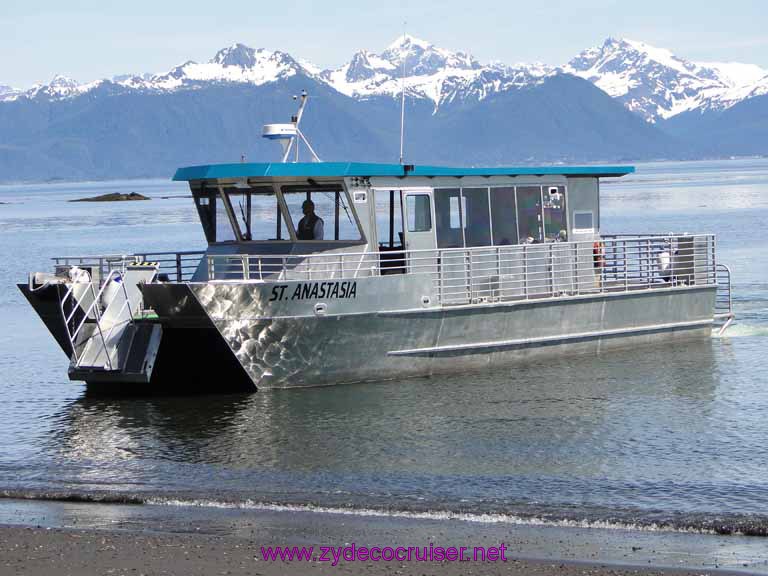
[(324, 349)]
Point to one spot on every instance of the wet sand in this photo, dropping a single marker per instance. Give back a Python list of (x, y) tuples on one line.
[(45, 551), (69, 537)]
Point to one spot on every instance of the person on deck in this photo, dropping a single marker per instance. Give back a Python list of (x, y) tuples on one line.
[(311, 226)]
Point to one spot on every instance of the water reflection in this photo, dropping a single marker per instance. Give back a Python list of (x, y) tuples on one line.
[(583, 417)]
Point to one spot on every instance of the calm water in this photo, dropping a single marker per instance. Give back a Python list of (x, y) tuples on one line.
[(676, 435)]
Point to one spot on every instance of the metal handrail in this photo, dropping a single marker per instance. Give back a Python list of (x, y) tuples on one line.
[(69, 294), (94, 307), (500, 272), (181, 264), (723, 298)]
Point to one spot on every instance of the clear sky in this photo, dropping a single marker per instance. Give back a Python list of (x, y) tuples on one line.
[(88, 40)]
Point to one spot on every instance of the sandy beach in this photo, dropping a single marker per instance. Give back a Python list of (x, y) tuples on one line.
[(46, 537), (42, 551)]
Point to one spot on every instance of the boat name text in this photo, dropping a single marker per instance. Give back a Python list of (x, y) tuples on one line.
[(314, 290)]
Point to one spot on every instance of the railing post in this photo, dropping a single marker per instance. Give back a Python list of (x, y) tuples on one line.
[(576, 276), (626, 265), (440, 261), (551, 270), (498, 274), (211, 269), (648, 263), (672, 276), (525, 271), (178, 267), (468, 260), (246, 266)]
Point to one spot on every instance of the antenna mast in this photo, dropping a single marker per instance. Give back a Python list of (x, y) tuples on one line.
[(402, 100), (289, 134)]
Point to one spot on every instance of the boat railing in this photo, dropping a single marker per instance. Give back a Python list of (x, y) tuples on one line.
[(495, 273), (178, 266)]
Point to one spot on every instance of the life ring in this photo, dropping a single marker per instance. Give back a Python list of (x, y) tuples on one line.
[(598, 254)]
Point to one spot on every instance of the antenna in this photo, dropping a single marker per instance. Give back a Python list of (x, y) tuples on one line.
[(289, 134), (402, 100)]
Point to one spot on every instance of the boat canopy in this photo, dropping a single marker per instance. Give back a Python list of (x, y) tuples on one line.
[(368, 170)]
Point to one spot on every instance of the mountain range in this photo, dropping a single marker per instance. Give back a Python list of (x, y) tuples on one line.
[(623, 100)]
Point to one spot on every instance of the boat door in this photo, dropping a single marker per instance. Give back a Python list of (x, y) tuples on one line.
[(419, 229)]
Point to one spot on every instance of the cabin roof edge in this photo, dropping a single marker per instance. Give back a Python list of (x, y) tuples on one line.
[(363, 169)]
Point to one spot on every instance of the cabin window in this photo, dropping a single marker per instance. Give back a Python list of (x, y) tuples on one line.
[(419, 213), (335, 215), (555, 220), (504, 216), (257, 213), (389, 219), (448, 218), (463, 217), (224, 230), (583, 222), (205, 202), (476, 217), (529, 214)]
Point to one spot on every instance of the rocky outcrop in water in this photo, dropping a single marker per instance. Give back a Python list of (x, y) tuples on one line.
[(114, 197)]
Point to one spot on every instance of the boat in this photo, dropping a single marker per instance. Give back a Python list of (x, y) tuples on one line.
[(320, 273)]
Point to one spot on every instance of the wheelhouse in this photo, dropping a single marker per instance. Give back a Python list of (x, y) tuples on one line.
[(389, 209)]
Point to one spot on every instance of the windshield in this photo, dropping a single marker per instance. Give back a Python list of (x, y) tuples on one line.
[(321, 213), (242, 213)]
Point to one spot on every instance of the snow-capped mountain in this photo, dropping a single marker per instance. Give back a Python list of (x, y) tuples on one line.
[(431, 73), (649, 81), (61, 87), (427, 72), (237, 63), (656, 84), (8, 92)]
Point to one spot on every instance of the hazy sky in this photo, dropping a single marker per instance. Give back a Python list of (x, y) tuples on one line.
[(88, 40)]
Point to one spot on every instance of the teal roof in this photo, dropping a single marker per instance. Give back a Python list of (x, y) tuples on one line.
[(342, 169)]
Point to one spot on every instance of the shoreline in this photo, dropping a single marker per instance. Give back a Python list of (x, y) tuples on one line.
[(43, 551), (41, 537)]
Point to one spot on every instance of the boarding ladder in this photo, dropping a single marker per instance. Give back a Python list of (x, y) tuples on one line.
[(102, 323), (723, 300)]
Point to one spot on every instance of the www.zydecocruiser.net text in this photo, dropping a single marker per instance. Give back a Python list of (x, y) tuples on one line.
[(355, 553)]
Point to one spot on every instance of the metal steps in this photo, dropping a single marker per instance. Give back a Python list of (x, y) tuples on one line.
[(724, 315), (108, 342)]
